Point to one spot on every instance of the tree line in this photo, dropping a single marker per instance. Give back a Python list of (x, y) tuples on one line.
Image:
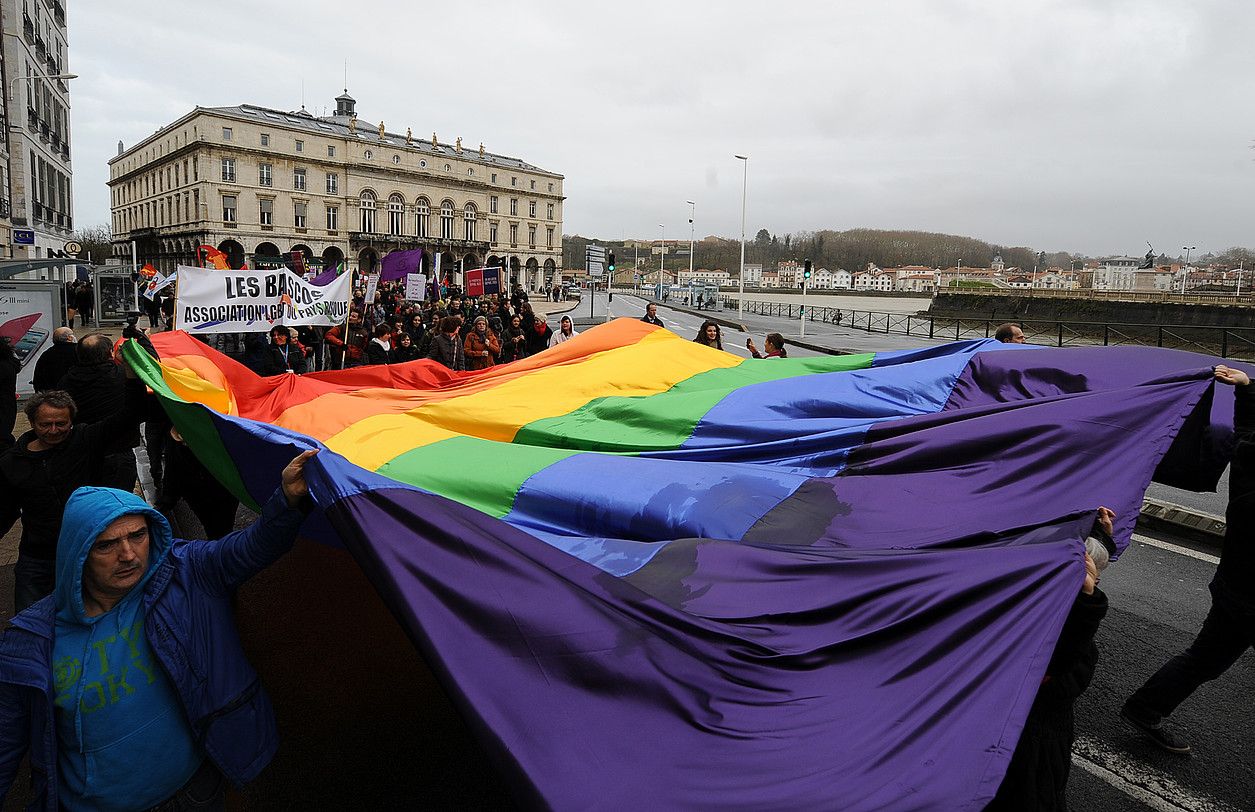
[(853, 249)]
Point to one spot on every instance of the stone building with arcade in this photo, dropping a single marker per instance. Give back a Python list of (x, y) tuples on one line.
[(259, 184)]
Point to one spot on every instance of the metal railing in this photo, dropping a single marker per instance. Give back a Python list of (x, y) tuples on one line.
[(1225, 342)]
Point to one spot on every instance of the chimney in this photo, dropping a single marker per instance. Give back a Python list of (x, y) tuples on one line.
[(121, 149)]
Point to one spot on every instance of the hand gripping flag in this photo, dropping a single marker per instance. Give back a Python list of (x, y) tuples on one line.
[(655, 575)]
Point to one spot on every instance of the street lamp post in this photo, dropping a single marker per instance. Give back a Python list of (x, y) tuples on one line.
[(692, 212), (1185, 272), (745, 175), (662, 258)]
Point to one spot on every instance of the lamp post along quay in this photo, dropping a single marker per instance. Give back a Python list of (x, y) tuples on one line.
[(745, 175), (692, 213), (1185, 270)]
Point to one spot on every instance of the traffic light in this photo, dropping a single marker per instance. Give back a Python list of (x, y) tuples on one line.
[(610, 264), (806, 269)]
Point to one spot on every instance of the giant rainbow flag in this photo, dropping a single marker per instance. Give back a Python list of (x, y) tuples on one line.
[(655, 575)]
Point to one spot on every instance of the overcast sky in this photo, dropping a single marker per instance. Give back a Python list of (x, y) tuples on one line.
[(1082, 125)]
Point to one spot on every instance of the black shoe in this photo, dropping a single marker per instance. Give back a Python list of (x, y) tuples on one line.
[(1156, 732)]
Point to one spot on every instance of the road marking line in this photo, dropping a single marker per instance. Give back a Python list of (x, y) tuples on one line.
[(1174, 548), (1140, 782)]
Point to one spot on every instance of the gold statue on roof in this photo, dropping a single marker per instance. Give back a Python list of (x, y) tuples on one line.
[(381, 130), (481, 149), (353, 125), (459, 144), (409, 136)]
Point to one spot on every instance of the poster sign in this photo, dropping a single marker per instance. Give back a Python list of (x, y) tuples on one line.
[(115, 296), (416, 287), (29, 311), (492, 281), (483, 282), (214, 301), (372, 285), (298, 263)]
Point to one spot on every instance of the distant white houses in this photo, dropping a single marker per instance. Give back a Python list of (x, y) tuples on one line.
[(753, 275)]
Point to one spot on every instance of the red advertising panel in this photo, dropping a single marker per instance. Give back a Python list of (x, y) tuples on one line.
[(475, 282)]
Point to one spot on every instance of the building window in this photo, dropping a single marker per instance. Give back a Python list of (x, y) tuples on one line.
[(333, 183), (492, 232), (471, 171), (514, 206), (447, 167), (494, 177), (265, 139), (228, 208), (264, 175), (228, 170), (367, 206), (514, 181), (533, 184), (396, 159), (531, 208), (492, 204), (226, 133), (333, 218), (549, 238), (514, 235), (469, 217), (551, 188), (331, 151), (446, 220), (548, 211), (368, 155), (298, 180), (531, 236), (422, 164), (300, 145), (266, 208), (422, 212), (299, 219), (396, 214)]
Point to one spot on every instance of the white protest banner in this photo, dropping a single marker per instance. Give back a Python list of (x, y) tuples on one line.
[(214, 301), (372, 285), (415, 287)]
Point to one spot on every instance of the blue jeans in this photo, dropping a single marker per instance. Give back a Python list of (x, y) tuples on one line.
[(33, 578)]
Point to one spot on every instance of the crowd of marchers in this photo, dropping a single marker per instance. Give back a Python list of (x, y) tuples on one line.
[(461, 332)]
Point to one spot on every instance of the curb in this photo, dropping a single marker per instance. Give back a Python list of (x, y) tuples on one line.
[(1196, 525)]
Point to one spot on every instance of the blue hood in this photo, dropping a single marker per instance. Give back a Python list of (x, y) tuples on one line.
[(88, 512)]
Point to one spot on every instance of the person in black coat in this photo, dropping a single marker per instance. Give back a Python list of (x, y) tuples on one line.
[(187, 479), (446, 346), (282, 355), (538, 335), (379, 350), (98, 386), (1037, 777), (9, 367), (56, 360), (1228, 631), (403, 349)]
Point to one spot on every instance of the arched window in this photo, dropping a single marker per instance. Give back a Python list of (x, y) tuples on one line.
[(367, 205), (468, 222), (396, 214), (422, 216), (446, 220)]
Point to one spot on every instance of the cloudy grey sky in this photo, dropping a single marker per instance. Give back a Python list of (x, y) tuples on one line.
[(1082, 125)]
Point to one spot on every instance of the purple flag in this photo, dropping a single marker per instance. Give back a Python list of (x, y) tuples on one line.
[(400, 263), (327, 276)]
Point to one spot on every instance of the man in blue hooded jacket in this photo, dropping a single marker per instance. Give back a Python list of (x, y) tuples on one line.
[(128, 685)]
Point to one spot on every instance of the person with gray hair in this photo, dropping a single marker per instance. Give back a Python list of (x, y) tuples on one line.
[(56, 360), (38, 474), (1037, 777)]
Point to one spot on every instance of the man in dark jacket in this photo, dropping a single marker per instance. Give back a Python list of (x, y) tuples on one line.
[(56, 360), (38, 474), (98, 387), (651, 315), (129, 686), (1229, 629), (446, 348), (1037, 777)]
